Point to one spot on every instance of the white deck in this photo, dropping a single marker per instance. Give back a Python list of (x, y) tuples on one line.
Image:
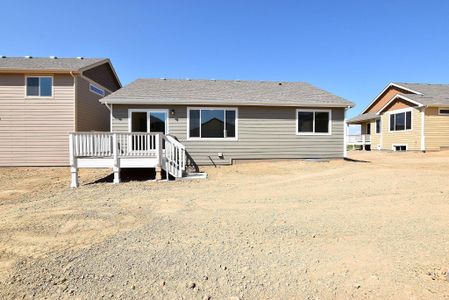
[(359, 140), (126, 150)]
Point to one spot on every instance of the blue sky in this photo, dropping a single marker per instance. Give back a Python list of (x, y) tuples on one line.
[(351, 48)]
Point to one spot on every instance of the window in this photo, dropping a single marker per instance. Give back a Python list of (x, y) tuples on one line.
[(444, 111), (400, 147), (212, 123), (401, 121), (96, 90), (39, 86), (313, 121), (378, 127), (368, 128)]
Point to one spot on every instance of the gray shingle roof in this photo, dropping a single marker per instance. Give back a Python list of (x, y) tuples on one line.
[(431, 94), (363, 117), (46, 63), (224, 92)]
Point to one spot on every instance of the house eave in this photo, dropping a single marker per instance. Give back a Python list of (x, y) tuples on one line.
[(224, 103)]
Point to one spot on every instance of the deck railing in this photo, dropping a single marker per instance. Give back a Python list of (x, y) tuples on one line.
[(175, 154), (359, 139), (169, 153)]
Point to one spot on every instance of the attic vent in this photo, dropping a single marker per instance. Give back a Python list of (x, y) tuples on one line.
[(53, 57), (28, 56), (80, 57)]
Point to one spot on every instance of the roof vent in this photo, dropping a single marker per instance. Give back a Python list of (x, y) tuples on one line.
[(3, 56), (163, 78), (280, 83), (28, 56), (213, 79), (188, 79), (53, 57), (80, 57)]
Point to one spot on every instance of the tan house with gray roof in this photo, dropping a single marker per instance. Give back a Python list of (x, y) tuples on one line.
[(43, 99), (406, 116)]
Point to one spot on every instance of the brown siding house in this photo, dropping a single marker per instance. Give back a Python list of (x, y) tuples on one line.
[(407, 116), (43, 99)]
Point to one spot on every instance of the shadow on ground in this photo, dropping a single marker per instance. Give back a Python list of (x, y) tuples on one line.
[(128, 175)]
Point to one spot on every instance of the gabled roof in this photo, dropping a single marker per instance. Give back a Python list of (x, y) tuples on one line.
[(421, 94), (48, 64), (224, 92)]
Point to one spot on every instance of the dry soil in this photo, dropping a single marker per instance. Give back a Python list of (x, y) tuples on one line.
[(377, 227)]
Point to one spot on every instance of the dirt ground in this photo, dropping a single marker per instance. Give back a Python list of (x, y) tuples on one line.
[(377, 227)]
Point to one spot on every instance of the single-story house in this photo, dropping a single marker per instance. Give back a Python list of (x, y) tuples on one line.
[(220, 121), (43, 99), (169, 123), (407, 116)]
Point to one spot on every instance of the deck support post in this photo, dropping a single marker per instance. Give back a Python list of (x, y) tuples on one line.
[(74, 177), (159, 156), (73, 162), (116, 167), (116, 171)]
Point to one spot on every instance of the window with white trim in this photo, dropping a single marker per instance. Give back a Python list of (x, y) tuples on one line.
[(39, 86), (313, 121), (96, 90), (443, 111), (212, 123), (401, 121)]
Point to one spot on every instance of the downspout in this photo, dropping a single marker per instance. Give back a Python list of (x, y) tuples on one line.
[(345, 132), (110, 115), (423, 136), (75, 107)]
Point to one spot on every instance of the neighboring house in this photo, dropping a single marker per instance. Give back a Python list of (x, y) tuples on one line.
[(406, 116), (43, 99), (217, 122)]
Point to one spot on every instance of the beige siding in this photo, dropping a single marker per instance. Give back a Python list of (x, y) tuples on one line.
[(34, 131), (411, 138), (263, 133), (375, 137), (90, 113), (436, 130)]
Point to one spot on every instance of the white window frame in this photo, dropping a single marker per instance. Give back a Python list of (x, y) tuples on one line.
[(443, 114), (393, 147), (218, 138), (39, 89), (313, 128), (98, 88), (131, 111), (398, 111)]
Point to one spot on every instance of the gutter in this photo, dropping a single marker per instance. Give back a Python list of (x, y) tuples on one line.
[(75, 99)]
